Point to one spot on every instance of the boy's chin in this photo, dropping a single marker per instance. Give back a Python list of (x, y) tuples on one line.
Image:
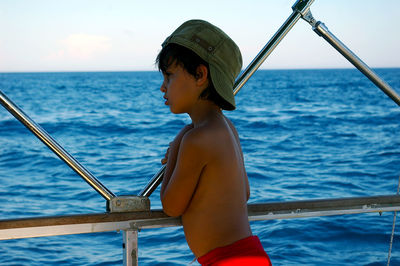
[(177, 108), (176, 112)]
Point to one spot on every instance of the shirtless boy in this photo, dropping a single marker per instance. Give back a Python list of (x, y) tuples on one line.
[(205, 180)]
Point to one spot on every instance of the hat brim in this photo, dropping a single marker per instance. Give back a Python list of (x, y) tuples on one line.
[(223, 87)]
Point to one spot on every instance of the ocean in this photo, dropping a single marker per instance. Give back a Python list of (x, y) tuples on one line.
[(305, 134)]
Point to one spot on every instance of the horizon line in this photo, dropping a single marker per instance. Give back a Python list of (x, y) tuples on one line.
[(155, 70)]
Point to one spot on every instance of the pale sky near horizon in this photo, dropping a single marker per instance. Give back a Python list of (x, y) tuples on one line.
[(117, 35)]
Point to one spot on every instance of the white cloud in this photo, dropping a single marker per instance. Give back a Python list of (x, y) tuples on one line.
[(82, 47)]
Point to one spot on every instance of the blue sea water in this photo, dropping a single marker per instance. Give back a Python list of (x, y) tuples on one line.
[(306, 134)]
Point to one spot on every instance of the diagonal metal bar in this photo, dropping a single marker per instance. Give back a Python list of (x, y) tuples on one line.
[(41, 134), (323, 31)]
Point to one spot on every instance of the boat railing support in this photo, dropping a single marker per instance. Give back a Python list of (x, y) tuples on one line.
[(131, 222), (106, 222), (53, 145), (324, 32), (130, 247), (114, 203)]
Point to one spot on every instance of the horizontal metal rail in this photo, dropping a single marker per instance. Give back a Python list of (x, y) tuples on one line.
[(103, 222), (45, 137)]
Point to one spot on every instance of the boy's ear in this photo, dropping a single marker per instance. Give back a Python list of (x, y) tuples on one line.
[(201, 75)]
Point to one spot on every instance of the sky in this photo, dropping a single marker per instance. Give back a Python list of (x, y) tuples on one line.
[(122, 35)]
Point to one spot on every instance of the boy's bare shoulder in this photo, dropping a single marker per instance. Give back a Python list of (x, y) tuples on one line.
[(207, 134), (210, 141), (199, 137)]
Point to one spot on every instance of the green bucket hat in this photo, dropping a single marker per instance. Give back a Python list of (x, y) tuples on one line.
[(217, 49)]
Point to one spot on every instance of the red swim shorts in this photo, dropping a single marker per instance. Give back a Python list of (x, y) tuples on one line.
[(247, 251)]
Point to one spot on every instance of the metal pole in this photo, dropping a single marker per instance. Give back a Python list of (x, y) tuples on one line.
[(40, 133), (153, 183), (300, 8), (323, 31), (130, 247)]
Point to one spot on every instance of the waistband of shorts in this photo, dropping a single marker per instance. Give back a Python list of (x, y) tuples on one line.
[(236, 248)]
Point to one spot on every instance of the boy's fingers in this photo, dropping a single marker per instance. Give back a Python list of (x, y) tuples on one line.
[(165, 159)]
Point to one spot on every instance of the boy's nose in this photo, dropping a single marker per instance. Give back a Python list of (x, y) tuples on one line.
[(162, 88)]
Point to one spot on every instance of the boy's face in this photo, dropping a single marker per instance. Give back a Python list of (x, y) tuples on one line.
[(180, 89)]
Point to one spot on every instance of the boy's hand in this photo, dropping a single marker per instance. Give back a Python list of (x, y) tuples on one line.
[(165, 159)]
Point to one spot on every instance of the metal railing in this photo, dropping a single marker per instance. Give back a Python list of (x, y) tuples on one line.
[(103, 222), (45, 137), (131, 222), (323, 31)]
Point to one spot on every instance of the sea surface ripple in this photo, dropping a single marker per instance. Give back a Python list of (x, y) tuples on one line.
[(306, 134)]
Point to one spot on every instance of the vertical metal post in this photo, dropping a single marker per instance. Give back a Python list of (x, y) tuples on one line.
[(130, 247)]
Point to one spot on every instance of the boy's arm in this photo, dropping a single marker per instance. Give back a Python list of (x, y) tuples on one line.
[(171, 156), (184, 176)]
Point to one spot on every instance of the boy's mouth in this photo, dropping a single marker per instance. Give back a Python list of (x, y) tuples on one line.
[(166, 100)]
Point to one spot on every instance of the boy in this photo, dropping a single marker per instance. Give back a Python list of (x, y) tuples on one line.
[(205, 181)]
